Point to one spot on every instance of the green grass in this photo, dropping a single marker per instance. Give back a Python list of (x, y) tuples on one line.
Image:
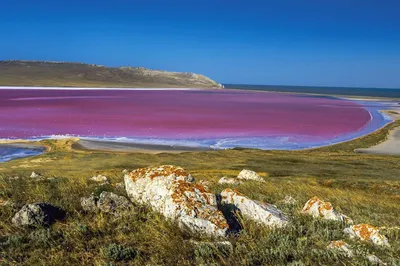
[(364, 187)]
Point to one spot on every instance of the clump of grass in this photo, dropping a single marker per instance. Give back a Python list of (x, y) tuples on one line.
[(116, 252)]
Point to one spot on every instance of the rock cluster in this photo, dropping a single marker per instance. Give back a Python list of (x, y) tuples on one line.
[(38, 214), (244, 175), (171, 191), (325, 210)]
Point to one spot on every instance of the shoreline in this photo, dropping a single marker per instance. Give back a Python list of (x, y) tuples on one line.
[(391, 145), (132, 147), (113, 146)]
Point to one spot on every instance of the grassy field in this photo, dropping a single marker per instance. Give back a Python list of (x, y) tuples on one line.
[(64, 74), (364, 187)]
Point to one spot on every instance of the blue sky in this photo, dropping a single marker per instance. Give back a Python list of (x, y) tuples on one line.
[(341, 43)]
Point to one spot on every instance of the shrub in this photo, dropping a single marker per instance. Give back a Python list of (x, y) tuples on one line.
[(117, 252)]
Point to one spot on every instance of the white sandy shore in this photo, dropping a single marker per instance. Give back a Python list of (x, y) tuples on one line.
[(391, 146), (132, 147)]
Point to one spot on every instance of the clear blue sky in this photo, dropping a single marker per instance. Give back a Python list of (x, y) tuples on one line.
[(298, 42)]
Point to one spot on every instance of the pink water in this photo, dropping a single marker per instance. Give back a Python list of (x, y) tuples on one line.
[(178, 115)]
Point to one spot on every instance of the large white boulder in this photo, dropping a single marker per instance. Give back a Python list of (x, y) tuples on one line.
[(366, 232), (262, 213), (170, 190), (325, 210), (250, 175)]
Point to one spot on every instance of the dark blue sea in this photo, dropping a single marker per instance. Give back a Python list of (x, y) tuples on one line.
[(350, 91)]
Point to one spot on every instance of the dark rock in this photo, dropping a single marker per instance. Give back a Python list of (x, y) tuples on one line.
[(89, 204), (112, 203), (107, 202), (38, 214)]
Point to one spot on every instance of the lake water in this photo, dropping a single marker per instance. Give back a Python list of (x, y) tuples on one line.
[(218, 119), (9, 152)]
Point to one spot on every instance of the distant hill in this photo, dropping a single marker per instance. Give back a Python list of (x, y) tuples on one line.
[(63, 74)]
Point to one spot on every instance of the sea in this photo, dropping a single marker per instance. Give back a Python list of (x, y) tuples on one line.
[(345, 91)]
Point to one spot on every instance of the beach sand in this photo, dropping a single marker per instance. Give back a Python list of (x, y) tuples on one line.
[(132, 147), (391, 146)]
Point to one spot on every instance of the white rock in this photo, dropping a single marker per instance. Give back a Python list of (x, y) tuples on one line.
[(325, 210), (289, 200), (170, 191), (100, 179), (374, 259), (250, 175), (341, 246), (262, 213), (229, 181), (35, 175), (366, 232)]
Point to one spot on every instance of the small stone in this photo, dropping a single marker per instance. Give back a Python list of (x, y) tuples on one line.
[(262, 213), (289, 200), (112, 203), (100, 179), (89, 204), (341, 246), (375, 260), (35, 175), (366, 232), (120, 185), (325, 210), (38, 214), (230, 181), (250, 175)]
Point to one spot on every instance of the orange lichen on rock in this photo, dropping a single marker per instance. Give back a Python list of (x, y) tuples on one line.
[(171, 191), (367, 232), (310, 203), (338, 243), (341, 246), (164, 170), (193, 197), (319, 208), (364, 230)]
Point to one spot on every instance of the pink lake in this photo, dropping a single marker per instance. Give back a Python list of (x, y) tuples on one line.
[(218, 118)]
